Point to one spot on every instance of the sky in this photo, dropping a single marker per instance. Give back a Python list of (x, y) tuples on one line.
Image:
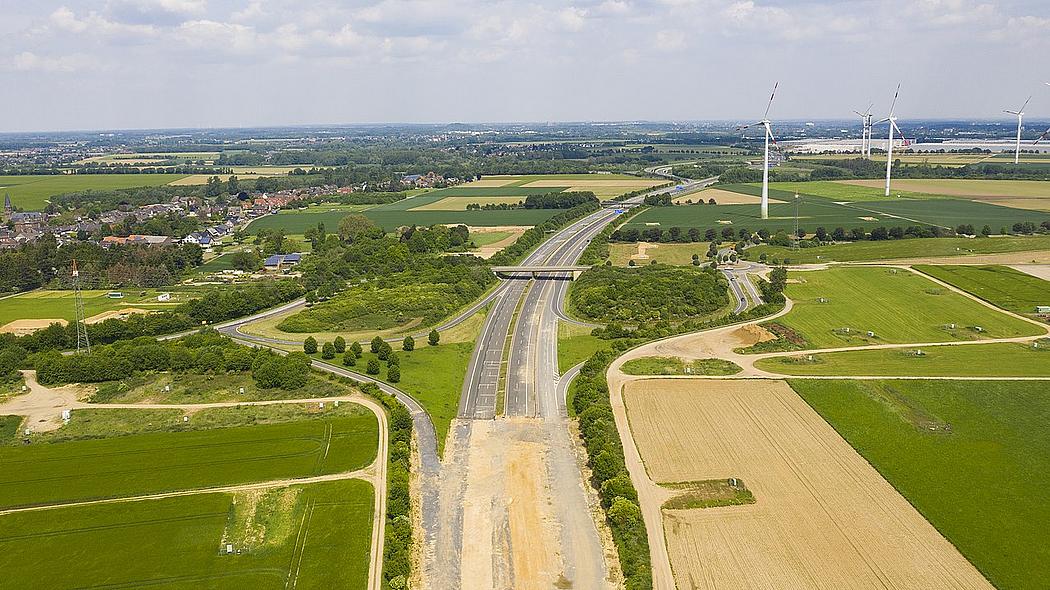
[(133, 64)]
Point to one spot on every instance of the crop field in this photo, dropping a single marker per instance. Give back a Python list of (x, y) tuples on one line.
[(242, 172), (972, 456), (31, 192), (284, 537), (146, 158), (91, 469), (460, 203), (1000, 285), (950, 160), (954, 187), (896, 249), (997, 359), (899, 306), (822, 517), (58, 305), (846, 190)]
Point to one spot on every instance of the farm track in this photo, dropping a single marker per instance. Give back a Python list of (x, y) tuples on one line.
[(376, 473)]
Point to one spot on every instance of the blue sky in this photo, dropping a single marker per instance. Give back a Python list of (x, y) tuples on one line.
[(90, 64)]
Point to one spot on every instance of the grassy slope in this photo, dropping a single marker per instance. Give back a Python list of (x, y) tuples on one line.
[(913, 248), (662, 365), (983, 485), (175, 543), (163, 461), (976, 360), (1000, 285), (575, 345), (900, 307), (677, 254)]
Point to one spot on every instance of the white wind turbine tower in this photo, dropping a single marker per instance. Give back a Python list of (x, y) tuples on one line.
[(765, 165), (1020, 115), (892, 120), (865, 136)]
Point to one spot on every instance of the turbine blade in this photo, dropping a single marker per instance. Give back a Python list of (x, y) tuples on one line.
[(1045, 133), (881, 121), (868, 112), (894, 103), (770, 104), (1011, 112), (1021, 110)]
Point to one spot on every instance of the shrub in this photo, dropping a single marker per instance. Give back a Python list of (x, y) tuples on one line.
[(408, 344), (377, 344), (310, 345), (349, 358), (393, 374), (433, 338), (328, 351), (356, 349), (340, 344), (373, 367)]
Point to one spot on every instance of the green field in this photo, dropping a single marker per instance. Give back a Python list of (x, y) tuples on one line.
[(664, 365), (293, 538), (999, 359), (897, 305), (486, 238), (910, 248), (31, 192), (837, 191), (816, 211), (56, 304), (203, 388), (973, 457), (676, 254), (343, 439), (999, 285)]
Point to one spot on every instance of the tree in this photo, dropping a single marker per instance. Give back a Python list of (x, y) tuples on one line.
[(328, 351), (355, 226), (246, 261), (986, 231), (310, 345), (393, 374), (408, 344), (339, 344), (377, 345), (349, 358), (433, 338), (384, 351), (373, 367), (393, 359), (356, 349)]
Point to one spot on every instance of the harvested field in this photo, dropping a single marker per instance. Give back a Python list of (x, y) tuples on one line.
[(723, 197), (23, 327), (583, 185), (489, 250), (491, 181), (460, 203), (978, 189), (822, 518), (1041, 271), (119, 314)]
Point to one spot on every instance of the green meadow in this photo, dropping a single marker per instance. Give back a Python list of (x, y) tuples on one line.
[(996, 359), (999, 285), (148, 463), (58, 304), (897, 305), (972, 456), (315, 536)]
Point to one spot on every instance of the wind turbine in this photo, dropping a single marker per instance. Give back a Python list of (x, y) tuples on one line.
[(1020, 115), (865, 136), (765, 165), (892, 120)]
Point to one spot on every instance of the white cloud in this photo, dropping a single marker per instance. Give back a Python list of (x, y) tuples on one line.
[(218, 36), (670, 40), (572, 19), (28, 61)]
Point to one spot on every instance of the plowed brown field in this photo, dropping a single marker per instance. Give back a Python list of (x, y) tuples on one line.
[(822, 518)]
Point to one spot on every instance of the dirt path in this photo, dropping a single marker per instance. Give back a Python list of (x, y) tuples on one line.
[(43, 408)]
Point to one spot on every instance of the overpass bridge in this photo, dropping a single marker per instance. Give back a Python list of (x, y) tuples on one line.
[(550, 271)]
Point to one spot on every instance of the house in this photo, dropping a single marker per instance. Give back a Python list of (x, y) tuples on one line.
[(137, 240), (280, 261), (201, 238)]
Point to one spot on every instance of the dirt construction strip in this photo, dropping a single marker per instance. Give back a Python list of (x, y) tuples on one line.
[(43, 408), (823, 517)]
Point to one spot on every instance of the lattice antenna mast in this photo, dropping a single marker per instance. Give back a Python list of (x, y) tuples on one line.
[(83, 345)]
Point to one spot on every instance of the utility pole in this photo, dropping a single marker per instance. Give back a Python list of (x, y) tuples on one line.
[(797, 237)]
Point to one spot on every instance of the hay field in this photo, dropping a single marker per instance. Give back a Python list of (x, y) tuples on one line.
[(822, 518), (1011, 193)]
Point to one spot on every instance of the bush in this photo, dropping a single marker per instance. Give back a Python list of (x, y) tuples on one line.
[(377, 344), (408, 344), (340, 344), (310, 345), (373, 367), (356, 349), (384, 351), (433, 338), (393, 374), (349, 358), (328, 351)]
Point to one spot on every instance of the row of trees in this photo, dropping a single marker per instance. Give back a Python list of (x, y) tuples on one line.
[(205, 352), (559, 200)]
